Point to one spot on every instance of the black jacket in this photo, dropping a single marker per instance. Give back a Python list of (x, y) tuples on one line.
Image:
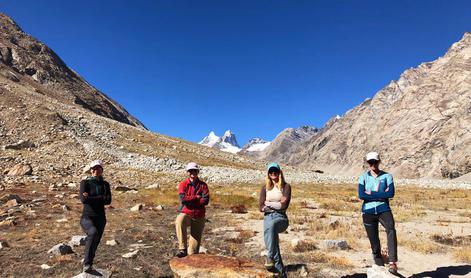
[(99, 195)]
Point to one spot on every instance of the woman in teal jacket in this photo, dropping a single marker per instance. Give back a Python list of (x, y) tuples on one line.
[(375, 188)]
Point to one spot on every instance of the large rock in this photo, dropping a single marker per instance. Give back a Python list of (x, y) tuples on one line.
[(378, 272), (20, 170), (212, 266), (98, 273)]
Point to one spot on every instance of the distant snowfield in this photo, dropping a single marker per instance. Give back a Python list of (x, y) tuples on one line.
[(258, 147)]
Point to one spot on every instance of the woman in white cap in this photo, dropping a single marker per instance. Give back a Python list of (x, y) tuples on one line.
[(95, 193), (275, 197), (193, 194), (375, 188)]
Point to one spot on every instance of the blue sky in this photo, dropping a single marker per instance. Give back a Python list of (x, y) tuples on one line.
[(255, 67)]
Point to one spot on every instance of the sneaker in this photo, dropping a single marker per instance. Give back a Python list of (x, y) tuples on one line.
[(393, 268), (379, 261), (270, 265), (181, 253)]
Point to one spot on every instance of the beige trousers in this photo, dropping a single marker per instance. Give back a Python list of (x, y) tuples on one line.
[(196, 225)]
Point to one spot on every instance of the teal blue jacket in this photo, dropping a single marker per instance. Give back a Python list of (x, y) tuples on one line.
[(381, 188)]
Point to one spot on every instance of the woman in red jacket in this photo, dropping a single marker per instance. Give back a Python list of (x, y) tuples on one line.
[(194, 196)]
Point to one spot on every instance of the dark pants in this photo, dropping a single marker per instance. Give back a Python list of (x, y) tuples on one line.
[(371, 225), (94, 228)]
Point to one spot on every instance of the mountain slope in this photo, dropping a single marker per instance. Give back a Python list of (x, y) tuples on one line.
[(421, 124), (21, 54)]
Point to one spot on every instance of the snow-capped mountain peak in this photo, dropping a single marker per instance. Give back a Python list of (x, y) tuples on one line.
[(226, 143), (210, 140)]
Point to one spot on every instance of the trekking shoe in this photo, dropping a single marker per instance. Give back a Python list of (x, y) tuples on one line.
[(270, 265), (88, 268), (392, 268), (181, 253), (379, 261)]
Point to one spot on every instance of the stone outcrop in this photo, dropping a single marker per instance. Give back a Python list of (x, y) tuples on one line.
[(213, 266), (420, 124)]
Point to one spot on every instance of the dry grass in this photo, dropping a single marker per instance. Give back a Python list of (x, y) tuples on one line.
[(423, 246), (463, 254)]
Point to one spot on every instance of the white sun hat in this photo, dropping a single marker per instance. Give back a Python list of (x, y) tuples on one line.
[(372, 156), (192, 166), (95, 163)]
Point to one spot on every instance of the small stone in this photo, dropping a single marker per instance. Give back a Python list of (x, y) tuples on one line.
[(122, 188), (3, 244), (203, 250), (20, 170), (239, 209), (60, 249), (334, 244), (153, 186), (137, 207), (159, 207), (130, 255), (112, 242), (45, 266), (72, 185), (62, 220), (11, 203), (53, 187), (65, 208)]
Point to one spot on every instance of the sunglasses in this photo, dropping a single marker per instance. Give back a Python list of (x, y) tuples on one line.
[(372, 162), (274, 173)]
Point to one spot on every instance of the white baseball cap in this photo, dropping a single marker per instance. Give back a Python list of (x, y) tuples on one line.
[(96, 163), (372, 156), (192, 166)]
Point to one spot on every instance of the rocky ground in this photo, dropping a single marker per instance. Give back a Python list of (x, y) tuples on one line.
[(325, 238)]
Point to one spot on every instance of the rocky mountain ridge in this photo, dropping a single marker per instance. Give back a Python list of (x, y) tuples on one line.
[(420, 124)]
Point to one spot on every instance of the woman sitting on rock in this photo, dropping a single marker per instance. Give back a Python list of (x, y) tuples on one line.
[(375, 188), (194, 196), (95, 193), (275, 197)]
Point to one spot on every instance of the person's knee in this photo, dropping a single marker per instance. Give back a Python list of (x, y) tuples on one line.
[(92, 231)]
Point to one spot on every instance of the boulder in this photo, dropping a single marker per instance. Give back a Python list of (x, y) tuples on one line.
[(97, 273), (77, 241), (211, 266), (378, 272), (60, 249), (20, 170), (334, 244)]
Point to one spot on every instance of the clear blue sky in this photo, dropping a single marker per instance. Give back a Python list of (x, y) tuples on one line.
[(255, 67)]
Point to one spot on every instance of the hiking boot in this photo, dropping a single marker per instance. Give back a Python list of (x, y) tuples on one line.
[(181, 253), (270, 265), (392, 268)]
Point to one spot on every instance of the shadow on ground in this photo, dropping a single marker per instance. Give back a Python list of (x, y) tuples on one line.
[(444, 272)]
